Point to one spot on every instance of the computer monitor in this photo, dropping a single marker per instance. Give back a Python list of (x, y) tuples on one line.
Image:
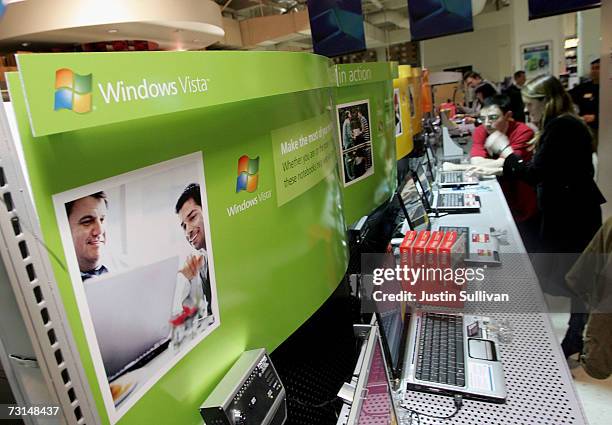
[(424, 187), (393, 328), (336, 27), (544, 8), (437, 18), (410, 202), (373, 402)]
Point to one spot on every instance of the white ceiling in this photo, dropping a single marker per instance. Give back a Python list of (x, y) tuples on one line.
[(176, 24)]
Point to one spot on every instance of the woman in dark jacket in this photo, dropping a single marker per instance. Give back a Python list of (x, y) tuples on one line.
[(568, 198)]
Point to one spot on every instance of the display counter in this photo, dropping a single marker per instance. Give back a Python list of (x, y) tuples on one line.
[(539, 383)]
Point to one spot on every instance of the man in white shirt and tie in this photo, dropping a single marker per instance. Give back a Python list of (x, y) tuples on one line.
[(195, 269)]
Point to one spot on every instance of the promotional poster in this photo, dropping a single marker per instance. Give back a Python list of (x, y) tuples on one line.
[(365, 127), (157, 218)]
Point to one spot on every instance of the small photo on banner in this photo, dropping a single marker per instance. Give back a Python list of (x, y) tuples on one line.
[(398, 113), (544, 8), (355, 137), (437, 18), (139, 255), (336, 27)]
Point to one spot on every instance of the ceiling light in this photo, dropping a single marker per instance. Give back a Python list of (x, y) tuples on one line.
[(571, 43)]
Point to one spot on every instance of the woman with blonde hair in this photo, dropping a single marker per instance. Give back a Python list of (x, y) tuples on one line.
[(568, 198)]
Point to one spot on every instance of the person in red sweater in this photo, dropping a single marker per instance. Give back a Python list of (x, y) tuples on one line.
[(497, 122)]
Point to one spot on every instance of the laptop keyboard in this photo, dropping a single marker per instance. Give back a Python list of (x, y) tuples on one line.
[(451, 200), (441, 357), (452, 177)]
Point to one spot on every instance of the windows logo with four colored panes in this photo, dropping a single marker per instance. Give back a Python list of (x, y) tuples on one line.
[(72, 91), (248, 174)]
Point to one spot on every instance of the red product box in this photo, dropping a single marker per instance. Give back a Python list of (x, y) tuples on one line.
[(406, 247), (431, 250), (451, 250), (418, 256), (418, 248), (450, 254), (430, 282)]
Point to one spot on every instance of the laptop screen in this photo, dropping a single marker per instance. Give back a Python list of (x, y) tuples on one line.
[(412, 205), (373, 402), (424, 184)]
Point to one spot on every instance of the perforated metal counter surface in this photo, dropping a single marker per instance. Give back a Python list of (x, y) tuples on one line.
[(540, 386)]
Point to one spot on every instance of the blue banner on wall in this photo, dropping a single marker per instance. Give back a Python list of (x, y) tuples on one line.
[(336, 26), (543, 8), (437, 18)]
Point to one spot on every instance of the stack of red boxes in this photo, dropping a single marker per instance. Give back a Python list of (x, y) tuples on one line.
[(433, 252)]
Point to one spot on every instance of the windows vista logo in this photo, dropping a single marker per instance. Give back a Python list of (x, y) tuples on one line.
[(119, 91)]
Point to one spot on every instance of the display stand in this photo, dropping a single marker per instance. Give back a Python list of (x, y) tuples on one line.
[(144, 129), (26, 262), (404, 107), (539, 384)]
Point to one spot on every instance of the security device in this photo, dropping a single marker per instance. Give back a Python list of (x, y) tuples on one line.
[(251, 393)]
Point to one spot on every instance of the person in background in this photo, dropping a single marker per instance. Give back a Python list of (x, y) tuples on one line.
[(484, 92), (365, 127), (568, 198), (516, 100), (496, 117), (86, 217), (590, 279), (189, 211), (347, 131), (586, 98), (474, 81)]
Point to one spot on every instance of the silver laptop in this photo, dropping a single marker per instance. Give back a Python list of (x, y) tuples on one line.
[(445, 202), (453, 353), (131, 312), (456, 178), (481, 247), (373, 401)]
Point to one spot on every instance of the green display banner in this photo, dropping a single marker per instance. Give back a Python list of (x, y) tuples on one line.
[(352, 74), (171, 228), (304, 154), (68, 92), (365, 127)]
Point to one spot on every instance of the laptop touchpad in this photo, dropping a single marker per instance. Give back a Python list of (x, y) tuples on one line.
[(482, 349)]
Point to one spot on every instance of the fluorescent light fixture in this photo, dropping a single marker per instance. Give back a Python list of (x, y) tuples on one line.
[(571, 43)]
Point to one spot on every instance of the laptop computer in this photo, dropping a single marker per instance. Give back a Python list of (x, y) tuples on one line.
[(481, 247), (456, 178), (452, 354), (443, 353), (411, 205), (444, 202), (373, 401), (430, 160), (131, 314)]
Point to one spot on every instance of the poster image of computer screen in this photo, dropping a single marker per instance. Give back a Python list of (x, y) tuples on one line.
[(378, 407), (418, 217), (544, 8), (336, 26), (437, 18), (409, 193), (140, 261), (423, 180), (398, 113)]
